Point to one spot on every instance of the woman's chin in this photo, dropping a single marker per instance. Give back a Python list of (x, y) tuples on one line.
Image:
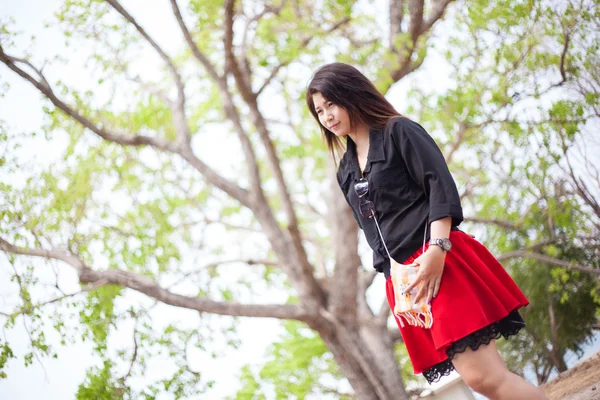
[(340, 133)]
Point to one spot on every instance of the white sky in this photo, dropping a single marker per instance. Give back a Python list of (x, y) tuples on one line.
[(20, 108)]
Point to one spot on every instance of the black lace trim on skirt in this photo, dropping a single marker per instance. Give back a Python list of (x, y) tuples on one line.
[(506, 327)]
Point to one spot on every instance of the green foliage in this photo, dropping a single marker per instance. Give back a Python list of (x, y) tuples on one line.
[(98, 314), (560, 319), (298, 365), (99, 384), (251, 388), (6, 354)]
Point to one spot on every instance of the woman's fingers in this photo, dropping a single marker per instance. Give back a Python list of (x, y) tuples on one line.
[(436, 290), (430, 290), (420, 293), (414, 283)]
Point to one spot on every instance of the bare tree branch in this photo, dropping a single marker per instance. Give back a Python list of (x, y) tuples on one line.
[(296, 262), (439, 7), (192, 45), (133, 140), (231, 63), (226, 224), (493, 221), (238, 193), (384, 311), (251, 100), (365, 280), (304, 268), (215, 264), (54, 253), (42, 77), (130, 140), (563, 56), (149, 287), (458, 141), (25, 310), (178, 109), (152, 89), (416, 28), (271, 76), (395, 335), (301, 266), (415, 8), (117, 6), (550, 260), (584, 192), (124, 378), (305, 42), (230, 111), (268, 9), (396, 17)]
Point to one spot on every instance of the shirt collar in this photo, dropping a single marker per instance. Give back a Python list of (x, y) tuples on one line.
[(376, 150)]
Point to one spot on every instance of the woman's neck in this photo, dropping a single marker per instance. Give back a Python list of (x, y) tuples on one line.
[(360, 137)]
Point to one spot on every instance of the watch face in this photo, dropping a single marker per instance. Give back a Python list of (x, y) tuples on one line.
[(446, 244)]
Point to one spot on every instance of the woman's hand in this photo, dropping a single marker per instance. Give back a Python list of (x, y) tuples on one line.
[(431, 268)]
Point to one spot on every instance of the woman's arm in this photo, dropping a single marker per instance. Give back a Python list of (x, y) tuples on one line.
[(431, 263), (427, 168), (440, 228)]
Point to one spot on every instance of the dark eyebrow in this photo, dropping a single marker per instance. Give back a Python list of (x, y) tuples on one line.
[(325, 101)]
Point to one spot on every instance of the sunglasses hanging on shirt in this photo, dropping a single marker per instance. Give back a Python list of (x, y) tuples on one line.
[(367, 209)]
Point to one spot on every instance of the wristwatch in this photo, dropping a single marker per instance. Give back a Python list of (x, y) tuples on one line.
[(444, 243)]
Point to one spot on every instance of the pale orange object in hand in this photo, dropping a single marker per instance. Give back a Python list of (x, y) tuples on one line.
[(418, 314)]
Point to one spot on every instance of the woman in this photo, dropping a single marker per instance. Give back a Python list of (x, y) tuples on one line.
[(403, 197)]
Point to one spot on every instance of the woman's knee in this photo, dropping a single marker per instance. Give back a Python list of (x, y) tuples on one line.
[(483, 381), (482, 370)]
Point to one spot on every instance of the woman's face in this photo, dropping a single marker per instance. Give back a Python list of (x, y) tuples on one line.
[(332, 116)]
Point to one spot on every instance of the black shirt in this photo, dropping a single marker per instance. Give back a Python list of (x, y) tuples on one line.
[(409, 183)]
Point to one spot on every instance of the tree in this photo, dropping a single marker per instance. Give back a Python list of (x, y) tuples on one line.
[(529, 111), (560, 321), (143, 138)]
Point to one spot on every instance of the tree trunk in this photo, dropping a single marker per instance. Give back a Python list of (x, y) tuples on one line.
[(555, 355), (381, 346), (368, 362), (558, 360)]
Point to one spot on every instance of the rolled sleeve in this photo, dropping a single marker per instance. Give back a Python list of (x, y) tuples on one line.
[(440, 211)]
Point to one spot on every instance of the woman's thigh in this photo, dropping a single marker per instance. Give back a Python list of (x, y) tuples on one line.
[(481, 369)]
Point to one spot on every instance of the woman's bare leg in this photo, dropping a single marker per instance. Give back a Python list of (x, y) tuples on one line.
[(484, 371)]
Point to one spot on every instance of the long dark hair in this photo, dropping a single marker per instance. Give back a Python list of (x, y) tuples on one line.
[(347, 87)]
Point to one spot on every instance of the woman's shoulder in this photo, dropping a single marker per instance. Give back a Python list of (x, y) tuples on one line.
[(402, 125), (343, 165)]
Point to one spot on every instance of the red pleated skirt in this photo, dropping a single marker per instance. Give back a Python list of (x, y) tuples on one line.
[(475, 292)]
